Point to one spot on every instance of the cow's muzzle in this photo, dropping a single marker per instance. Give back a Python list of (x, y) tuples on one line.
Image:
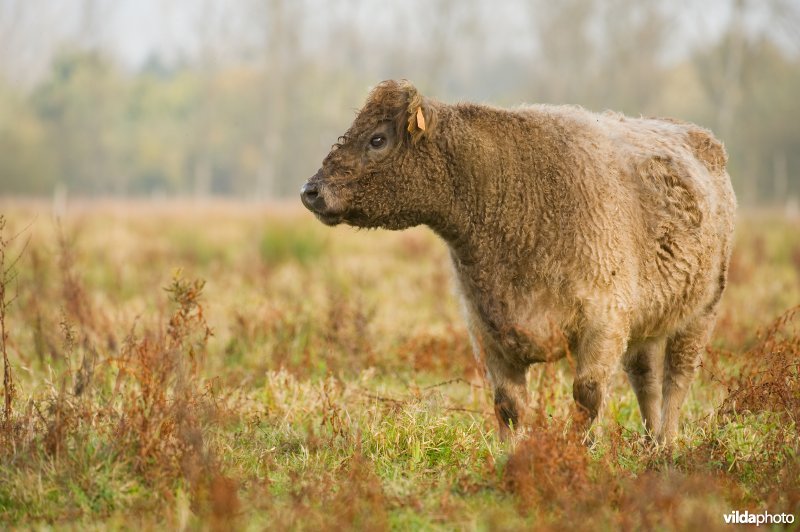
[(311, 197)]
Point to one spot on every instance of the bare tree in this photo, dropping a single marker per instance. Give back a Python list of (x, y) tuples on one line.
[(567, 54), (280, 41)]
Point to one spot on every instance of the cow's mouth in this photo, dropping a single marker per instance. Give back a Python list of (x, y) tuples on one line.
[(329, 218)]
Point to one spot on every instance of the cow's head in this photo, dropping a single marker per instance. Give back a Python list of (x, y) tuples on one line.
[(376, 174)]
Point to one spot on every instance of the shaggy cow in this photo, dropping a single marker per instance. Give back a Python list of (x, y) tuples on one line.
[(602, 234)]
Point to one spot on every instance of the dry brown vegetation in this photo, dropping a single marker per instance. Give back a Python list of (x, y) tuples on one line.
[(218, 366)]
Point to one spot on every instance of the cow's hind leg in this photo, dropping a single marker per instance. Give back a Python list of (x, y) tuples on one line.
[(643, 363), (683, 352)]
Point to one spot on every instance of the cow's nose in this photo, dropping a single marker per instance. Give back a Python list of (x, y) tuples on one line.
[(309, 195), (309, 191)]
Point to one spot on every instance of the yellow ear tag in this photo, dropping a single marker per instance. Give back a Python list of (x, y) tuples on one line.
[(420, 119)]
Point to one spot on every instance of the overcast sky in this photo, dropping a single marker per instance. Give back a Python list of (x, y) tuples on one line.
[(133, 30), (139, 28)]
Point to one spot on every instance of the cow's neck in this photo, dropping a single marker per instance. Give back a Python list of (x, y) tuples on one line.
[(494, 232)]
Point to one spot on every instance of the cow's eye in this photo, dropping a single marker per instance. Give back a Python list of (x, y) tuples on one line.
[(377, 141)]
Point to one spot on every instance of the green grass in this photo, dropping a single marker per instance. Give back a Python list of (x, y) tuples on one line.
[(337, 389), (284, 242)]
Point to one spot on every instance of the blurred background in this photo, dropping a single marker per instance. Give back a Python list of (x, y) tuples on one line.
[(197, 98)]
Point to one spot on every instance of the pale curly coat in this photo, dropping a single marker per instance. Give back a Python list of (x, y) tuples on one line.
[(606, 235)]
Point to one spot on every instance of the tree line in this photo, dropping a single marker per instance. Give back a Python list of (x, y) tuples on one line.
[(252, 118)]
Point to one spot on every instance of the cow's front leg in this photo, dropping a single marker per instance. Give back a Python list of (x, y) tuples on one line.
[(598, 349), (507, 357), (510, 392)]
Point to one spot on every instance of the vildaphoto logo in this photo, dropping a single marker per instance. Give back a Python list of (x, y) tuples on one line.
[(746, 518)]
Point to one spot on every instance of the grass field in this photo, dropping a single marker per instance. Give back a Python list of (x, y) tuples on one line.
[(219, 366)]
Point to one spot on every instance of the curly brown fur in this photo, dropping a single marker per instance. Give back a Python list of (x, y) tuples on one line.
[(606, 235)]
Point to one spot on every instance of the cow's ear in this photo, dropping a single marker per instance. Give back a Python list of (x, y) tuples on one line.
[(420, 116), (414, 114)]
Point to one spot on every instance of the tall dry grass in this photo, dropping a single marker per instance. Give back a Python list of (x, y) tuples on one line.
[(220, 367)]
